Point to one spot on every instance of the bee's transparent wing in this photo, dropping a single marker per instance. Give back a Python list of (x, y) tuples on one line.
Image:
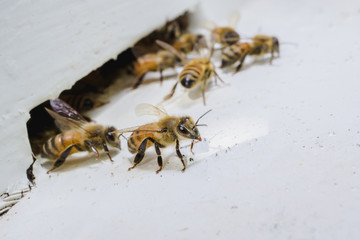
[(64, 123), (233, 19), (171, 49), (65, 116), (141, 131), (148, 109)]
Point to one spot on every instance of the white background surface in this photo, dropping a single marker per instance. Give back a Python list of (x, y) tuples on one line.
[(280, 160)]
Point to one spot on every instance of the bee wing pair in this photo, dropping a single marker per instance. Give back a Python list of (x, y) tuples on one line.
[(65, 116), (198, 47), (233, 19), (146, 109)]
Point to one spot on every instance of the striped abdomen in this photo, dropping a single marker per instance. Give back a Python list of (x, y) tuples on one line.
[(138, 136), (191, 75), (234, 53), (59, 143), (79, 102)]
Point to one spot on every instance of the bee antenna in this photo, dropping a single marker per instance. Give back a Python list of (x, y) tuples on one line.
[(122, 135), (196, 123)]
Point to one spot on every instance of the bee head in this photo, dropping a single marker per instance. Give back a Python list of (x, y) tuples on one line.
[(112, 138), (187, 129), (276, 44)]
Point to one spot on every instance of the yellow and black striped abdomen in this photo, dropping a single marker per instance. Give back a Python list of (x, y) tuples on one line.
[(234, 53), (138, 136), (59, 143), (191, 75)]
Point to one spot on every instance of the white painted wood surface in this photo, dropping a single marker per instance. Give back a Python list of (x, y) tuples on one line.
[(280, 160)]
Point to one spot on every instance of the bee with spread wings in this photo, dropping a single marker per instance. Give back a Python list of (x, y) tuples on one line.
[(77, 135), (167, 131)]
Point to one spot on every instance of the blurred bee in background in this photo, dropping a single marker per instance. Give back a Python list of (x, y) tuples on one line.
[(188, 42), (152, 62), (225, 36), (234, 53), (171, 31), (169, 130), (263, 44), (81, 101), (196, 71), (77, 135), (260, 45)]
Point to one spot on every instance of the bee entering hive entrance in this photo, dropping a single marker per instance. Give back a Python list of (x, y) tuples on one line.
[(90, 92)]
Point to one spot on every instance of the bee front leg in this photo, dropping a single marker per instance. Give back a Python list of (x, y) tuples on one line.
[(61, 159), (93, 149), (106, 149), (140, 155), (180, 155)]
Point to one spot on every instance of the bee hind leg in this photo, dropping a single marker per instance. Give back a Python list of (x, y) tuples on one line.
[(140, 155), (61, 159), (138, 81), (159, 159), (172, 92)]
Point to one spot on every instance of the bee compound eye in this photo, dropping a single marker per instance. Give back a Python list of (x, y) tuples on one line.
[(110, 136)]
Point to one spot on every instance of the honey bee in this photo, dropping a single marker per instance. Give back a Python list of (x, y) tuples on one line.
[(77, 135), (234, 53), (82, 102), (226, 36), (263, 44), (196, 71), (152, 62), (187, 42), (169, 130)]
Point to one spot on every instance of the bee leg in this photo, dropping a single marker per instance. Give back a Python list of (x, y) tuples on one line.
[(240, 64), (138, 81), (159, 159), (106, 149), (93, 149), (180, 155), (140, 155), (61, 159), (161, 76), (191, 147), (218, 77), (203, 91), (172, 92)]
